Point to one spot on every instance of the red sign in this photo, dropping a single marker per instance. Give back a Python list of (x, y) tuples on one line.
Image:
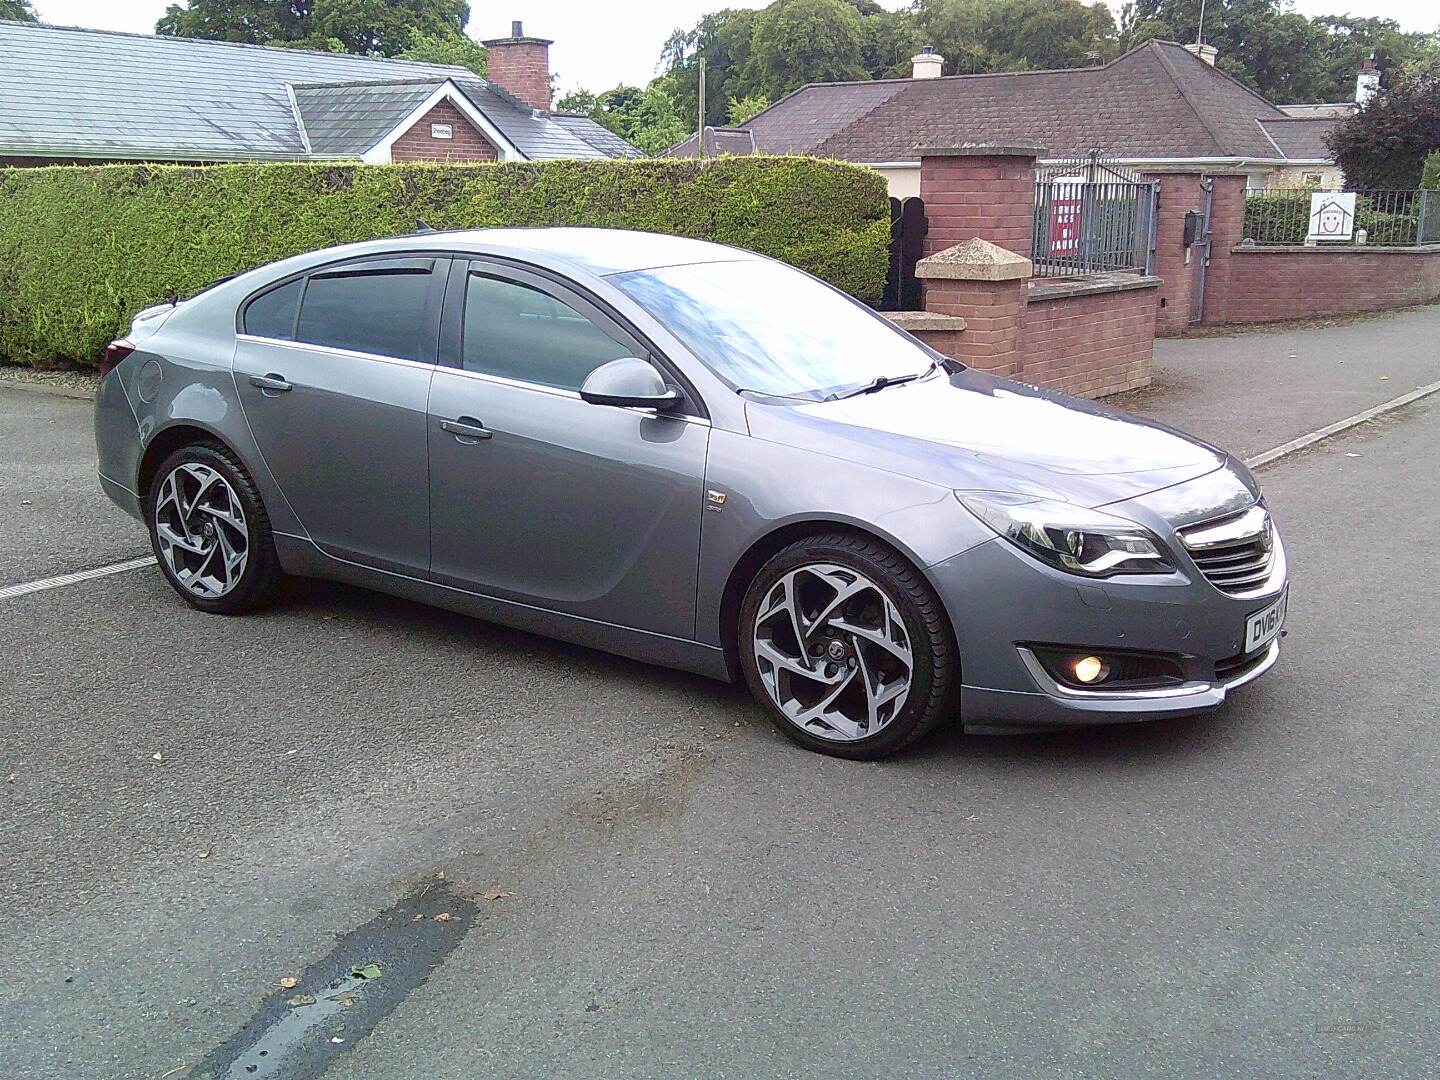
[(1064, 231)]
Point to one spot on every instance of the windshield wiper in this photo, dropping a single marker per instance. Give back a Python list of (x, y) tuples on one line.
[(880, 382)]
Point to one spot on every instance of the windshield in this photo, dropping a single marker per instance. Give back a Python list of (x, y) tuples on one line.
[(764, 327)]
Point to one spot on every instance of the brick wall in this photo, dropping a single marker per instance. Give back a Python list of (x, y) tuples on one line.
[(468, 144), (1267, 284), (1088, 344), (992, 197)]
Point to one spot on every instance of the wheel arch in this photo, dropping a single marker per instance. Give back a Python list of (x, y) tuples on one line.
[(164, 443), (782, 536)]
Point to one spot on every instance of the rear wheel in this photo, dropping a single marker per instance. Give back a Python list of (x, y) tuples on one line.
[(847, 647), (210, 531)]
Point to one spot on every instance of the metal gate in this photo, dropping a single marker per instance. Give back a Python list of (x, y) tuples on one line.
[(1200, 253), (908, 226), (1093, 216)]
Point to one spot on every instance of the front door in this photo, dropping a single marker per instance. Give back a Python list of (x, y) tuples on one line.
[(540, 497), (334, 372)]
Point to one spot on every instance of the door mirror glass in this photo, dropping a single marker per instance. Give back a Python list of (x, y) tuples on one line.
[(630, 382)]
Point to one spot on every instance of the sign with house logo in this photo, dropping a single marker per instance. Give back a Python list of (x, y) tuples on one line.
[(1332, 216)]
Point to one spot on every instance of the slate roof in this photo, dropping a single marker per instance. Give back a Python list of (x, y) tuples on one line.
[(71, 92), (1156, 101), (598, 136), (347, 119), (1303, 137)]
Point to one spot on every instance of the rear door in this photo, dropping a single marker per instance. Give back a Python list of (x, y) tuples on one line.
[(333, 370), (541, 497)]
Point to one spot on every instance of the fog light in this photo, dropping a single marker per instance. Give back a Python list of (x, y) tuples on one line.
[(1090, 669)]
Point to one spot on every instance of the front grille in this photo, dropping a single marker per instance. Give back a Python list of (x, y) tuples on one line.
[(1235, 554)]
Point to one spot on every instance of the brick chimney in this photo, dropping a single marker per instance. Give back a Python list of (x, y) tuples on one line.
[(926, 64), (521, 66)]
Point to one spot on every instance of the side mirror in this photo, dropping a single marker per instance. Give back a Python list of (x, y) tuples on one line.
[(628, 382)]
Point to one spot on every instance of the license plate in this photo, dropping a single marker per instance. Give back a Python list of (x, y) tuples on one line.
[(1262, 627)]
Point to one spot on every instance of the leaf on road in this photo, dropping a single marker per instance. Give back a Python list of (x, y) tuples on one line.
[(494, 894), (205, 854), (158, 758), (300, 999), (444, 916), (288, 982), (365, 971)]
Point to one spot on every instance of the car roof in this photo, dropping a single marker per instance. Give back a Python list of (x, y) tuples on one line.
[(596, 250)]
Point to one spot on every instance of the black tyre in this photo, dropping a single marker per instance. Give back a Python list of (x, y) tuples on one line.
[(847, 647), (210, 532)]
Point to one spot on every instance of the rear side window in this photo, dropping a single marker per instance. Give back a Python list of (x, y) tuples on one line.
[(375, 310), (517, 332), (272, 314)]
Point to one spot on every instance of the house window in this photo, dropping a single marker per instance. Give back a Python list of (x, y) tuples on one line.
[(442, 131)]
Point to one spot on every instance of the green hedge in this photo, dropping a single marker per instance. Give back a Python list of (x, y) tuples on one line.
[(83, 248)]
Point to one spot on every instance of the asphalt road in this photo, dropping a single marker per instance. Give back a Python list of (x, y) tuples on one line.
[(650, 882)]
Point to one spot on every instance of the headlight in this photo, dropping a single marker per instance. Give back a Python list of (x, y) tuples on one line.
[(1069, 538)]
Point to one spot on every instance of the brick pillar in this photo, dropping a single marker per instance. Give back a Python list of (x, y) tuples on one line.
[(1227, 228), (985, 285), (1180, 193), (978, 190), (521, 66)]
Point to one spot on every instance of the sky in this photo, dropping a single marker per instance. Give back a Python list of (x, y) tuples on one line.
[(595, 49)]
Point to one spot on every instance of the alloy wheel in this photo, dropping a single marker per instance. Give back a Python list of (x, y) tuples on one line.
[(832, 652), (201, 528)]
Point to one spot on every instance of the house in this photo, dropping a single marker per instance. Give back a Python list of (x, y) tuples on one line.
[(1159, 106), (71, 95)]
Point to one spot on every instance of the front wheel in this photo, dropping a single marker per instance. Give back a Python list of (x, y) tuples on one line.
[(210, 532), (847, 647)]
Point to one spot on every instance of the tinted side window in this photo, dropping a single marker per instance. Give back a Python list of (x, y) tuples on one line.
[(379, 311), (517, 332), (272, 314)]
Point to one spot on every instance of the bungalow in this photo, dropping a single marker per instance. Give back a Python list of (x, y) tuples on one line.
[(1160, 106), (71, 95)]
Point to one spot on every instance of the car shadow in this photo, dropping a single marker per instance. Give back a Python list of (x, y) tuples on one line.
[(1151, 740), (421, 622)]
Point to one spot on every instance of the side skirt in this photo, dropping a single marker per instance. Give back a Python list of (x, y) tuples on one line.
[(301, 557)]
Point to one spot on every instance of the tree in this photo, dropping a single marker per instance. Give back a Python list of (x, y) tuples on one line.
[(579, 101), (795, 42), (253, 22), (1385, 144), (646, 117), (456, 49), (741, 109), (18, 11), (367, 27), (1016, 35), (722, 39)]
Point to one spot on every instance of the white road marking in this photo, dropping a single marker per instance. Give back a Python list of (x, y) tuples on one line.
[(9, 592), (1340, 425)]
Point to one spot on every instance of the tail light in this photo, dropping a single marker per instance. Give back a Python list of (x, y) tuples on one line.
[(113, 354)]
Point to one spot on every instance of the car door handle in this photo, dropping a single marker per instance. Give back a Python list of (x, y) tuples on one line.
[(272, 381), (465, 427)]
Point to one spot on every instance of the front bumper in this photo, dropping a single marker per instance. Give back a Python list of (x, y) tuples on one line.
[(999, 599)]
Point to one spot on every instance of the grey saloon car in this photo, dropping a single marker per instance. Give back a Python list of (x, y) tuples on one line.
[(698, 457)]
